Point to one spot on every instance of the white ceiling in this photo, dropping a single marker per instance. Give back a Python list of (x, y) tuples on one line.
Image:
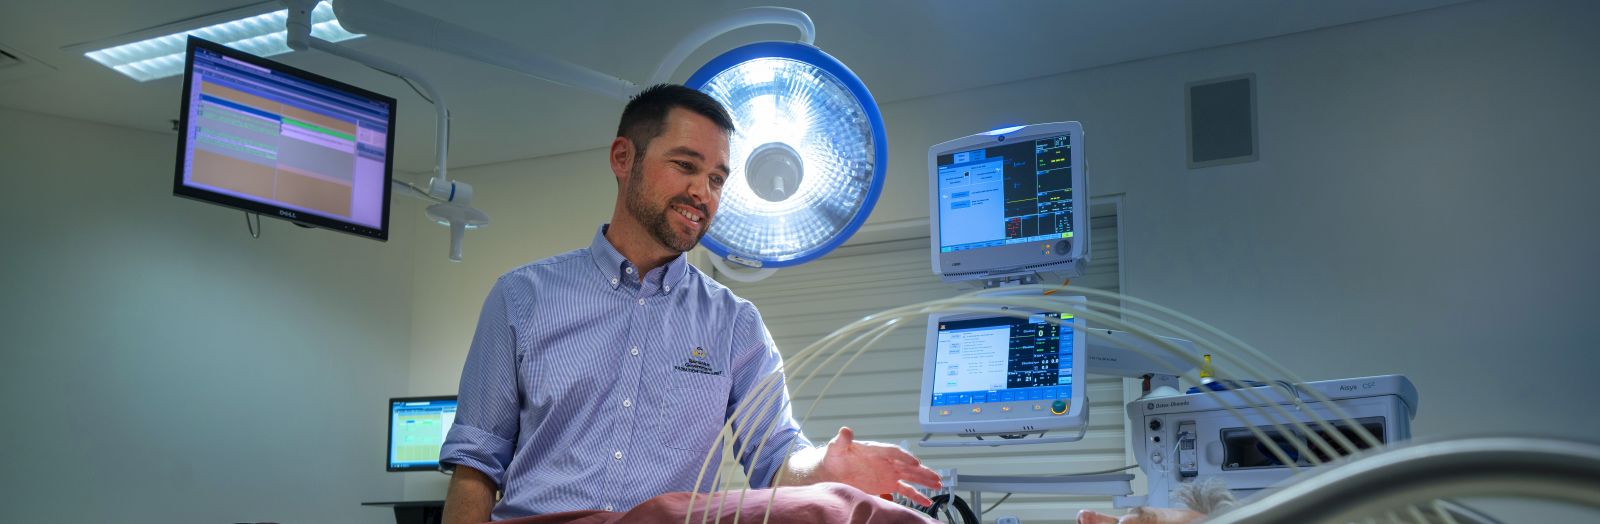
[(901, 49)]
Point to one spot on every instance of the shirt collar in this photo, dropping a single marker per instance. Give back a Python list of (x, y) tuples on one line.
[(614, 267)]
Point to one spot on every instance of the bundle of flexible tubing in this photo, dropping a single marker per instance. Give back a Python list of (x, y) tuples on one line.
[(1024, 302)]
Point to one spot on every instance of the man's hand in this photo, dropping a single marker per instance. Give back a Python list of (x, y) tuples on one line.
[(873, 467)]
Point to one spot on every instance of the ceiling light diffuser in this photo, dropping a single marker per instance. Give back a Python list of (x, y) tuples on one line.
[(252, 29)]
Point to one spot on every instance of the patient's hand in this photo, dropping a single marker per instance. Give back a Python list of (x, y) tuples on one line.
[(873, 467), (1142, 515)]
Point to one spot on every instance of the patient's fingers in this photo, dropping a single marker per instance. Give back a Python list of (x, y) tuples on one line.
[(907, 491), (1093, 517), (921, 475)]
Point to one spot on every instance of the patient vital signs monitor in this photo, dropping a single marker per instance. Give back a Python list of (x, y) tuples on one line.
[(1010, 203), (1003, 375), (266, 138), (417, 427)]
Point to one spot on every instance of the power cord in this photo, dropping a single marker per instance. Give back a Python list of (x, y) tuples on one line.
[(255, 230)]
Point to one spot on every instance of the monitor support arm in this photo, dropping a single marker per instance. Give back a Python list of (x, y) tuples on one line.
[(382, 18), (454, 207)]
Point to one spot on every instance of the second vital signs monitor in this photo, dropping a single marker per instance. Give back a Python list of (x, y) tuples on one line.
[(1003, 375), (1010, 204)]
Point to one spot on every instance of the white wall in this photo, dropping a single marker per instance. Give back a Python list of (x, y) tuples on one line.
[(538, 208), (1423, 202), (1421, 206), (160, 365)]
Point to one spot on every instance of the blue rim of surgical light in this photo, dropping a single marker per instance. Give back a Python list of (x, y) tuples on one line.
[(880, 149)]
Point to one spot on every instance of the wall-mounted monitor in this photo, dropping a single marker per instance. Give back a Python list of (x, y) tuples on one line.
[(1009, 202), (417, 427), (267, 138)]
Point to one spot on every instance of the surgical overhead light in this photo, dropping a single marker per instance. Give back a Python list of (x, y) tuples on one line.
[(807, 157)]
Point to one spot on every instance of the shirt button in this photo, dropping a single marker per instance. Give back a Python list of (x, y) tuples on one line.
[(666, 289), (635, 351), (617, 455), (641, 302), (627, 403), (629, 270), (613, 282), (608, 507)]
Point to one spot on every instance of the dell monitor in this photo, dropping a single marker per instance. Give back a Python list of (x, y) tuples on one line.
[(417, 428), (1010, 204), (997, 374), (270, 139)]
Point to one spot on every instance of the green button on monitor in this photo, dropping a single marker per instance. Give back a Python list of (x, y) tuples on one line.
[(1058, 407)]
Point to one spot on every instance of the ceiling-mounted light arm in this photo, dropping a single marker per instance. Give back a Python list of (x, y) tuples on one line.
[(738, 19), (380, 18), (455, 209), (299, 38)]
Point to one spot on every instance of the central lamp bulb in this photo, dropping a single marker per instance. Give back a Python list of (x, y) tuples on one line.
[(774, 171)]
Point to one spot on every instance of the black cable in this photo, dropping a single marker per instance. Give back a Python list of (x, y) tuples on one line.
[(255, 231), (403, 79), (997, 503), (419, 92), (414, 88), (946, 501)]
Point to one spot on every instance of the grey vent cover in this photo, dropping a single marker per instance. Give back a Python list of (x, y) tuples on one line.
[(1221, 121)]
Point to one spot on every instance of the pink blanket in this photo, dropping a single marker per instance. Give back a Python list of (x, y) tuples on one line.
[(819, 503)]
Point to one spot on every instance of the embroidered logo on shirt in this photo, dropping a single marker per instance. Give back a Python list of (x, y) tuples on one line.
[(697, 363)]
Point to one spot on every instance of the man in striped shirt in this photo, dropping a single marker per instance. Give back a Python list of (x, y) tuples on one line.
[(600, 378)]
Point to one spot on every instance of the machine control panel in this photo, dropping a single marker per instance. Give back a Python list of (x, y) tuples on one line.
[(1188, 466)]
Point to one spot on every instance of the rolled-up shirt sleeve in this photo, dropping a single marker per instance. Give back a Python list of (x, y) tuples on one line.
[(766, 413), (486, 423)]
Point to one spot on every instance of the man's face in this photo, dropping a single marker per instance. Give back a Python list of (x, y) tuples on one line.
[(675, 184)]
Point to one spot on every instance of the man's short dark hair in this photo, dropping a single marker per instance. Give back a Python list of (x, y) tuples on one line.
[(646, 113)]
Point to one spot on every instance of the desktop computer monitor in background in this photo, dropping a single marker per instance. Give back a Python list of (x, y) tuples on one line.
[(417, 427), (270, 139)]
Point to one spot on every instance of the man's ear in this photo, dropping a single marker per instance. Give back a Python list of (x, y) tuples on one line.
[(622, 157)]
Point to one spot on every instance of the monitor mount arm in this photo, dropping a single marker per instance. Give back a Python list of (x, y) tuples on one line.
[(384, 19)]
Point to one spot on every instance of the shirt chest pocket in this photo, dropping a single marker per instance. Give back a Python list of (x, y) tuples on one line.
[(694, 410)]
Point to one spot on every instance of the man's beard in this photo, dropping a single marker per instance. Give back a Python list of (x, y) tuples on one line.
[(655, 220)]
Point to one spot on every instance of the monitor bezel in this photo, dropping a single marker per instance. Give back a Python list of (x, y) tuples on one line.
[(303, 218), (388, 445), (1011, 259), (1077, 408)]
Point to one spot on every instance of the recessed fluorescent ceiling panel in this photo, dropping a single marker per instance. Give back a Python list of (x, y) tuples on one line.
[(259, 34), (807, 157)]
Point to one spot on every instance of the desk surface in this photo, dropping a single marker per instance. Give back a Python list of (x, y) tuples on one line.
[(407, 504)]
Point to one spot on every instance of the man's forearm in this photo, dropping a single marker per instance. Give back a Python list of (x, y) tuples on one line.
[(802, 468), (471, 497)]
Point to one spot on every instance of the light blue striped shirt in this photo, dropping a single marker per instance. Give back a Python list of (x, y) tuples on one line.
[(586, 388)]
